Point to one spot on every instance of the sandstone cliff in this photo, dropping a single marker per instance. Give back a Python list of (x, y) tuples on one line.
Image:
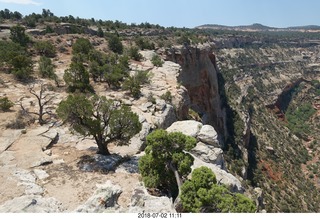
[(199, 76)]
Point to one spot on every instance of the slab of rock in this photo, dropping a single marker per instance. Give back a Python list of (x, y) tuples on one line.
[(103, 200), (32, 204), (142, 201), (138, 142), (208, 135), (187, 127), (7, 138), (29, 151), (209, 154), (28, 180), (86, 144)]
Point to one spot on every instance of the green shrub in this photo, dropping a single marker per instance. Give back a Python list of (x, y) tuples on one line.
[(133, 83), (134, 53), (5, 104), (45, 48), (156, 61), (202, 194), (167, 97), (115, 44)]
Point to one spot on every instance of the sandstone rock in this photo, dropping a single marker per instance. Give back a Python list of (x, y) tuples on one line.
[(142, 201), (165, 119), (209, 154), (28, 180), (147, 54), (222, 176), (199, 75), (187, 127), (208, 135), (6, 158), (86, 144), (41, 174), (7, 138), (148, 104), (48, 152), (137, 142), (160, 105), (104, 199), (32, 204)]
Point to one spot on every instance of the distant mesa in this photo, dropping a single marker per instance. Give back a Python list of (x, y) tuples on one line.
[(259, 27)]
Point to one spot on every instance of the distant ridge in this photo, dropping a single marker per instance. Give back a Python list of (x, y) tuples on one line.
[(259, 27)]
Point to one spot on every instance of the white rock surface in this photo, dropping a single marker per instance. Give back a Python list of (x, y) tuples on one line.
[(7, 137), (208, 135), (209, 154), (32, 204), (187, 127), (104, 199), (142, 201)]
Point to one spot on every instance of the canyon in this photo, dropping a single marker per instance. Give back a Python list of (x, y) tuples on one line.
[(235, 93)]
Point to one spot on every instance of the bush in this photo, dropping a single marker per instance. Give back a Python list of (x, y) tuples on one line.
[(156, 61), (144, 43), (82, 45), (17, 35), (46, 68), (133, 83), (22, 67), (115, 44), (167, 97), (202, 194), (5, 104), (134, 54), (45, 48)]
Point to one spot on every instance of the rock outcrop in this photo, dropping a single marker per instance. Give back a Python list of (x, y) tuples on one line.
[(199, 76), (209, 154), (142, 201), (104, 199), (209, 135), (32, 204), (187, 127)]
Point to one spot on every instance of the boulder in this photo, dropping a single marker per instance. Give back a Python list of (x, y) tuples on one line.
[(138, 141), (209, 154), (209, 135), (103, 200), (187, 127), (32, 204)]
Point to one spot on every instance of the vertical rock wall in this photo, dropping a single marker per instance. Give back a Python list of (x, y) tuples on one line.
[(199, 76)]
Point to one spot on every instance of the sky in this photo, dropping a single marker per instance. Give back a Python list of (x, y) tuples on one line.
[(180, 13)]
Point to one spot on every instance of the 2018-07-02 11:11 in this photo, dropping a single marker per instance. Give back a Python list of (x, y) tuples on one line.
[(159, 215)]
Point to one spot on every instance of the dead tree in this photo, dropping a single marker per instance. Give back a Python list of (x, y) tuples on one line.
[(43, 99)]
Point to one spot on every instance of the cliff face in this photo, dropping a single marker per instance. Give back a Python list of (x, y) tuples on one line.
[(199, 76)]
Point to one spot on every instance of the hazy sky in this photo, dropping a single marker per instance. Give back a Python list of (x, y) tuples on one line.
[(180, 13)]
